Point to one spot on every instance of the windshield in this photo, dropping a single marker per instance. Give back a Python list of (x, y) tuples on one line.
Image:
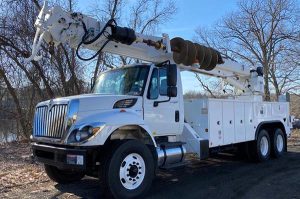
[(123, 81)]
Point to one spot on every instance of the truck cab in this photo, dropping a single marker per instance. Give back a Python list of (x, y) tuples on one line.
[(139, 102), (130, 95)]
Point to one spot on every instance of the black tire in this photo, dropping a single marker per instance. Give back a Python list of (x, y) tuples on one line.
[(255, 150), (278, 149), (113, 183), (63, 176)]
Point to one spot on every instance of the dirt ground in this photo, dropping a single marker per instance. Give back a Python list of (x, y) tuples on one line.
[(223, 176)]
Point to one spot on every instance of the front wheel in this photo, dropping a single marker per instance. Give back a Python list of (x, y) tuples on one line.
[(130, 170)]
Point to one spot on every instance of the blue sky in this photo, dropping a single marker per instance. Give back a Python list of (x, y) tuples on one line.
[(194, 13), (190, 15)]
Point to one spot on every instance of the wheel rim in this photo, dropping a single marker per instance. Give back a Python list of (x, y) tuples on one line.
[(279, 143), (264, 146), (132, 171)]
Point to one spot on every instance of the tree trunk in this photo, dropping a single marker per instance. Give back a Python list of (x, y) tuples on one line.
[(20, 116), (46, 83), (266, 83)]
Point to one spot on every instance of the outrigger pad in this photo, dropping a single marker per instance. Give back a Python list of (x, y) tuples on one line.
[(187, 53)]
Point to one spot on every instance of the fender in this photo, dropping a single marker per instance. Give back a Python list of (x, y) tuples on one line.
[(113, 120), (268, 122)]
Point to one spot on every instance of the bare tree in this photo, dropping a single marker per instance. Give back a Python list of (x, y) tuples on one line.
[(57, 75), (60, 73), (260, 33), (205, 86), (144, 16)]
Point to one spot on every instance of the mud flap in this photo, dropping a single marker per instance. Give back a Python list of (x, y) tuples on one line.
[(204, 149)]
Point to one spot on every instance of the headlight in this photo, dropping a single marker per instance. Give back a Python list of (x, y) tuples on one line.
[(83, 133), (78, 136)]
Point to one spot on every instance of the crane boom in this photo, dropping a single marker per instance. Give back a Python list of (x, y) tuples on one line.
[(56, 26)]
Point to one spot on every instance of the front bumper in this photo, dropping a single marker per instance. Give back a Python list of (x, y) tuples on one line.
[(60, 157)]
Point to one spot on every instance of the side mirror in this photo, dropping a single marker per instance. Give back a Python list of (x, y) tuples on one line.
[(171, 75), (171, 83), (172, 91), (172, 80)]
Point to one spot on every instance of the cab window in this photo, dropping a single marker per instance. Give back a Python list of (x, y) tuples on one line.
[(153, 87), (158, 83), (163, 87)]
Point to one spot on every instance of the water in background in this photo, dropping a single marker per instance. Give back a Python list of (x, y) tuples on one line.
[(8, 130), (8, 137)]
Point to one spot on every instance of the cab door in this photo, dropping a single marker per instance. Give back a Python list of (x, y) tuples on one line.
[(163, 119)]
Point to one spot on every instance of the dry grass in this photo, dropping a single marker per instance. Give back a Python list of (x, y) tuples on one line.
[(294, 140), (17, 171)]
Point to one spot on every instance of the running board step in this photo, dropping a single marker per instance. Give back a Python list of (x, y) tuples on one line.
[(171, 144)]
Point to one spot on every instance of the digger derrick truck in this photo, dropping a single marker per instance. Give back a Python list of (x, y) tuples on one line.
[(135, 120)]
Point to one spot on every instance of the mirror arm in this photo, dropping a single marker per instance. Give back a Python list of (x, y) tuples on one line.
[(155, 103), (92, 83)]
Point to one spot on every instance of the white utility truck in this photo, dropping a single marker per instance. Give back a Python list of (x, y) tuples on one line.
[(136, 120)]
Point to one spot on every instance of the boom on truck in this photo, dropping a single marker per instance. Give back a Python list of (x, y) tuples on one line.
[(136, 120)]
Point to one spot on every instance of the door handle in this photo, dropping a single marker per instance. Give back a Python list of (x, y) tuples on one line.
[(176, 116)]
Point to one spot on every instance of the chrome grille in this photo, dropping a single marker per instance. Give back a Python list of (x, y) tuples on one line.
[(50, 123)]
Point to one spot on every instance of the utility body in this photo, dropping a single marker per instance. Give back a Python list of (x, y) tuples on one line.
[(136, 119)]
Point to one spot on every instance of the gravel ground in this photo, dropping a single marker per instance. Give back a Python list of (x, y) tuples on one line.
[(223, 176)]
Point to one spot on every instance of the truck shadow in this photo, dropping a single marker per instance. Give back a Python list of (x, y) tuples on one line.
[(86, 188), (221, 176)]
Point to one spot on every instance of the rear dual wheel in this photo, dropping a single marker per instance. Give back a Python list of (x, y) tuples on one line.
[(262, 146), (260, 149), (265, 145), (279, 143)]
